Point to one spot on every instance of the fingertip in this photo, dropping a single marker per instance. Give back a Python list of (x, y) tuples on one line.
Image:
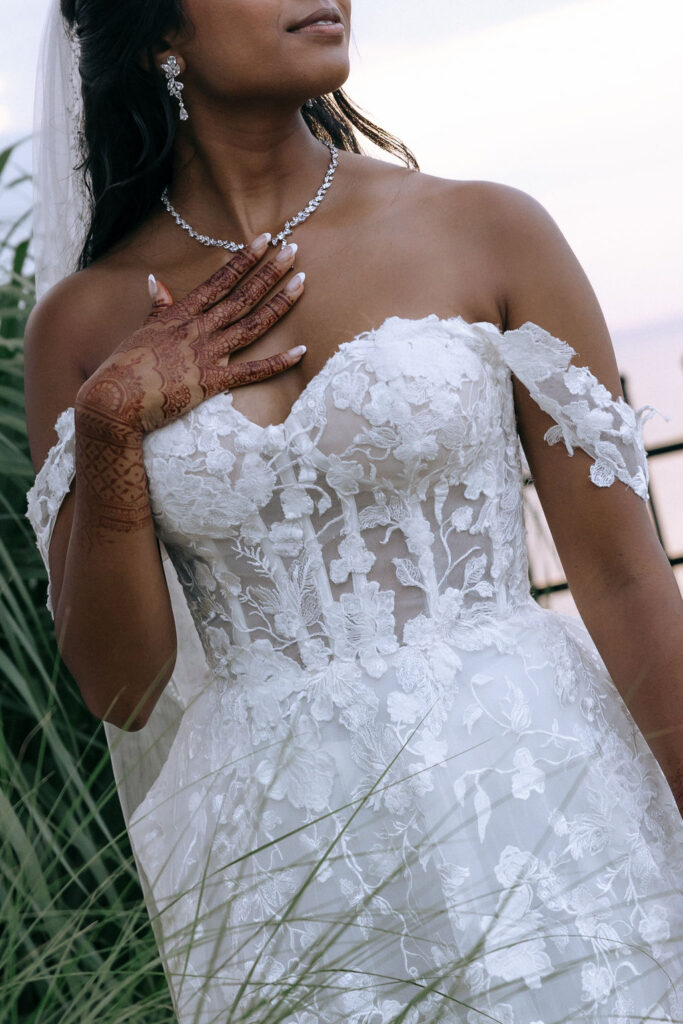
[(296, 283), (260, 244), (158, 292)]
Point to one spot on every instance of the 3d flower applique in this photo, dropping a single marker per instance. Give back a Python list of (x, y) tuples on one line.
[(387, 404), (343, 475), (296, 502), (369, 623), (405, 707), (654, 926), (417, 440), (528, 777), (349, 388), (596, 982), (354, 558), (298, 770), (256, 479), (220, 461), (578, 379), (418, 534), (287, 538)]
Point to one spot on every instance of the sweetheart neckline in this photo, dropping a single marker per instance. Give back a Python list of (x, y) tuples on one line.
[(342, 348), (324, 369)]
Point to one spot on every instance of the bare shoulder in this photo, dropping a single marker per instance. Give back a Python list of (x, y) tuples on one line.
[(530, 263), (544, 281), (448, 197), (473, 227), (498, 218), (500, 214), (74, 323)]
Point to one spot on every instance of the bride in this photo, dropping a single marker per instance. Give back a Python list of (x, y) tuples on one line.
[(365, 777)]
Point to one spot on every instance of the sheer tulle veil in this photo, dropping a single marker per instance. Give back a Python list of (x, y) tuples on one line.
[(60, 202), (61, 212)]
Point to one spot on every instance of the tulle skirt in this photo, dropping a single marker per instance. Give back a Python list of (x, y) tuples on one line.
[(482, 833)]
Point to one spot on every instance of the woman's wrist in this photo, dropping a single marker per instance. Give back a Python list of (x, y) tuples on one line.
[(94, 418), (111, 482)]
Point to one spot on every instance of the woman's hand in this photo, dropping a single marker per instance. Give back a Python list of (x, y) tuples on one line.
[(180, 355)]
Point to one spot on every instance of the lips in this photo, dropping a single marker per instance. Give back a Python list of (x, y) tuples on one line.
[(322, 14)]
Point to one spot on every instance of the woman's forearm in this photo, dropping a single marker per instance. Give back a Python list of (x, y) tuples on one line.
[(637, 625), (113, 616)]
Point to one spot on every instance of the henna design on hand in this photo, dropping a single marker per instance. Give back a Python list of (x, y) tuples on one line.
[(215, 287), (167, 367), (118, 390)]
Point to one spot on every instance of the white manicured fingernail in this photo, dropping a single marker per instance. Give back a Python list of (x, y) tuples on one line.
[(287, 253), (259, 244), (296, 282), (153, 286), (298, 351)]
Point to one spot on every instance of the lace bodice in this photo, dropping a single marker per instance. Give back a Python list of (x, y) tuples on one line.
[(357, 577), (391, 491)]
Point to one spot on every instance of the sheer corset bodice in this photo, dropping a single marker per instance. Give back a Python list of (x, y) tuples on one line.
[(392, 492)]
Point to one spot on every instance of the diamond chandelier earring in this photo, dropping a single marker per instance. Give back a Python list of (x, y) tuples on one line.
[(175, 87)]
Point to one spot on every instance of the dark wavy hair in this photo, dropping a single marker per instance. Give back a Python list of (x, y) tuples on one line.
[(130, 118)]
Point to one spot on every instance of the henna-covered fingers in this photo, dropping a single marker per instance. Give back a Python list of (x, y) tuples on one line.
[(175, 360), (211, 291), (252, 370), (250, 292), (261, 319)]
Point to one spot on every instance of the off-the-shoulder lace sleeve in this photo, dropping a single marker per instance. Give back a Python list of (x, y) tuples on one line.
[(51, 486), (585, 413)]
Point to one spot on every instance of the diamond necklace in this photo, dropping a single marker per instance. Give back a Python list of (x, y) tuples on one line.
[(287, 229)]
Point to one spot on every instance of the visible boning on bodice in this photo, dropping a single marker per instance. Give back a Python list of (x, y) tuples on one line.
[(392, 491)]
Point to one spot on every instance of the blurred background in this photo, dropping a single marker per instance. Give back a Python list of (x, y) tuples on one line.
[(580, 104)]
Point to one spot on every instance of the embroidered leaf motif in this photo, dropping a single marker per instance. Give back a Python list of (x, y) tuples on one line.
[(462, 517), (374, 515), (441, 490), (554, 435), (474, 570), (407, 573), (380, 437), (324, 504)]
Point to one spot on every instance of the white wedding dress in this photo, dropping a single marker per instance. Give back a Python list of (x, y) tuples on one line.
[(388, 787)]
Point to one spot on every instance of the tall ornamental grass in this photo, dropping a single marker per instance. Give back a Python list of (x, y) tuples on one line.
[(76, 944)]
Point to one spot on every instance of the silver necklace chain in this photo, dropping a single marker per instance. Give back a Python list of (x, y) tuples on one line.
[(303, 215)]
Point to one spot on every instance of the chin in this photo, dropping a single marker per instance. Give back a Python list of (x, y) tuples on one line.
[(329, 80)]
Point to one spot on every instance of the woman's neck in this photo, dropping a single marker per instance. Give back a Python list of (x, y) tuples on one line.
[(242, 173)]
